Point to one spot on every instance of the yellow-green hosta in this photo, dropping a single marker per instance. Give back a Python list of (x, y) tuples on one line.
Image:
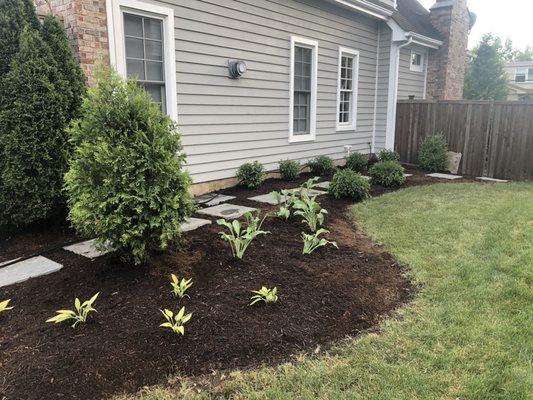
[(176, 322), (4, 306), (180, 287), (79, 314), (265, 295)]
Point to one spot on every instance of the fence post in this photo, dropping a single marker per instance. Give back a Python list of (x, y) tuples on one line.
[(488, 139)]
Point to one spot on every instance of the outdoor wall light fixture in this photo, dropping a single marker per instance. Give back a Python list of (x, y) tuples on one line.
[(236, 69)]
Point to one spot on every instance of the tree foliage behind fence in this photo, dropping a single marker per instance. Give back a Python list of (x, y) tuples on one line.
[(495, 138)]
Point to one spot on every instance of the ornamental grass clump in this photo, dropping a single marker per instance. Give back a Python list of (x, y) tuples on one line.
[(349, 184), (251, 175), (126, 184), (433, 154), (388, 174)]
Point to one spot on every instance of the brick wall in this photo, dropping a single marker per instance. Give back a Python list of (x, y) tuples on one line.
[(86, 25), (447, 65)]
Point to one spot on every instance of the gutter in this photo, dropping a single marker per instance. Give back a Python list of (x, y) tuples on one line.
[(422, 40), (365, 7)]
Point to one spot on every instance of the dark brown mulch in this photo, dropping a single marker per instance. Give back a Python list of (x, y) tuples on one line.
[(323, 298)]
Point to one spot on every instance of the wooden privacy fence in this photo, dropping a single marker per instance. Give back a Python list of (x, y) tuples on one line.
[(495, 138)]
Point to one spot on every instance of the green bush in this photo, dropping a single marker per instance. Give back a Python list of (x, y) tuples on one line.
[(350, 184), (251, 175), (289, 170), (34, 147), (433, 154), (126, 184), (389, 155), (357, 162), (321, 165), (387, 173)]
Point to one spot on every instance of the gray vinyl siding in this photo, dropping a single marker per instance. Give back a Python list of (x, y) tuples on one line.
[(382, 98), (411, 83), (225, 122)]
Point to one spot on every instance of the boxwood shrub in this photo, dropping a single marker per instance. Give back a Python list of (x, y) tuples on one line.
[(126, 184), (349, 184), (433, 154), (289, 170), (357, 162), (251, 175), (389, 155), (321, 165), (387, 173)]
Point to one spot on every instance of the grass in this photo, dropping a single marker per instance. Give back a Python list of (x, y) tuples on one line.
[(467, 335)]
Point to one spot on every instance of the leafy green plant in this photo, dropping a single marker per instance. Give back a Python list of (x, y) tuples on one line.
[(4, 306), (251, 175), (433, 154), (289, 170), (387, 173), (321, 165), (180, 287), (79, 314), (357, 162), (264, 295), (389, 155), (310, 210), (285, 200), (127, 185), (314, 241), (240, 238), (349, 184), (177, 322)]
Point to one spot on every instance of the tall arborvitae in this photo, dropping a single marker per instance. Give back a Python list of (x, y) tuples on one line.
[(33, 118), (55, 36)]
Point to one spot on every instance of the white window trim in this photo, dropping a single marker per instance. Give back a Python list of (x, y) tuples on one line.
[(352, 124), (117, 45), (312, 44), (417, 68)]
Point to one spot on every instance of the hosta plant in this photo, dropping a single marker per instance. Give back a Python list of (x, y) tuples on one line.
[(4, 306), (311, 211), (176, 322), (285, 200), (239, 237), (264, 295), (79, 314), (179, 287), (314, 241)]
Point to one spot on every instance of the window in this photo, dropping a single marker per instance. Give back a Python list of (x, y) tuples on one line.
[(521, 75), (141, 46), (302, 124), (530, 74), (144, 55), (347, 89), (417, 62)]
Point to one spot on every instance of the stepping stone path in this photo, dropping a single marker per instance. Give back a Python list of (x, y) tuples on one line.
[(194, 223), (309, 192), (445, 176), (24, 270), (323, 185), (494, 180), (266, 198), (87, 249), (210, 200), (227, 211)]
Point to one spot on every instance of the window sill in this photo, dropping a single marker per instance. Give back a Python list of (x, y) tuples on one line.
[(301, 138), (345, 128)]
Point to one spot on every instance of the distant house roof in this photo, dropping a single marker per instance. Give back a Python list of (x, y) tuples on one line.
[(413, 17)]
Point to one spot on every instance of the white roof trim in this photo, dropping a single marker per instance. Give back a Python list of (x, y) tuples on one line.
[(399, 35), (365, 7)]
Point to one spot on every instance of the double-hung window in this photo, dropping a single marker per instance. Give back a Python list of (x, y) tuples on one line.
[(417, 62), (303, 91), (347, 89), (524, 74)]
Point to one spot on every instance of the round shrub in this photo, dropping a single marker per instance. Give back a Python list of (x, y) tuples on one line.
[(389, 155), (387, 173), (289, 170), (251, 175), (126, 184), (349, 184), (321, 165), (357, 162), (433, 154)]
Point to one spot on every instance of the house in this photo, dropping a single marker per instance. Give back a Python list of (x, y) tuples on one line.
[(520, 80), (275, 79)]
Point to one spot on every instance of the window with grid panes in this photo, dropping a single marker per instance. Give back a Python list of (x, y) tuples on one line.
[(346, 89), (303, 58), (144, 55)]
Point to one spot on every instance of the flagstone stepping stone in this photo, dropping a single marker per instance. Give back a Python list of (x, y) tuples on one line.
[(27, 269), (213, 199), (309, 192), (445, 176), (323, 185), (87, 249), (8, 262), (194, 223), (227, 211), (407, 175), (494, 180), (266, 198)]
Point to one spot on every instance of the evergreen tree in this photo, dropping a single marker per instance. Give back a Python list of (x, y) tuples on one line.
[(486, 78), (55, 36), (33, 117)]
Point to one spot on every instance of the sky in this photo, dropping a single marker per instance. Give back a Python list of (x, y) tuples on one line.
[(509, 18)]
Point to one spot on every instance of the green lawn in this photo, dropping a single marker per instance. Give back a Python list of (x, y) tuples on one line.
[(469, 332)]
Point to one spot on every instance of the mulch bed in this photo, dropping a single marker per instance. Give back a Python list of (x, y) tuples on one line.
[(324, 297)]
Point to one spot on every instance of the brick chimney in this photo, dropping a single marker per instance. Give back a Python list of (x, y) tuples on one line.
[(447, 65)]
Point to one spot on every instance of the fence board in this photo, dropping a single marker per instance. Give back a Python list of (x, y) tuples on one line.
[(495, 138)]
